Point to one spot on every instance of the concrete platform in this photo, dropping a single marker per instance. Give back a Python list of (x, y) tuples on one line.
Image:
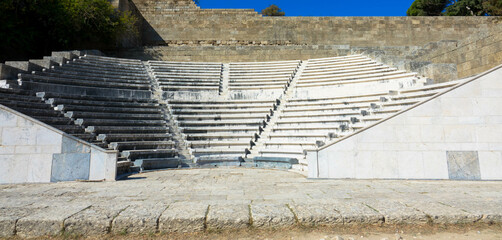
[(237, 198)]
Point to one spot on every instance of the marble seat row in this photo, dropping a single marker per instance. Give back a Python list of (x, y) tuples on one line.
[(221, 128), (308, 123), (186, 77), (93, 71), (137, 129), (28, 103)]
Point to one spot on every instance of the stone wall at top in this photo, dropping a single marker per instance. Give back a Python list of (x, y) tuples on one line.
[(246, 27), (178, 30)]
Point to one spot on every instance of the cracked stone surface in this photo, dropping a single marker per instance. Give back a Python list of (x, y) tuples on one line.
[(398, 213), (140, 218), (183, 217), (271, 215), (95, 220), (48, 220), (180, 200), (228, 216), (316, 214)]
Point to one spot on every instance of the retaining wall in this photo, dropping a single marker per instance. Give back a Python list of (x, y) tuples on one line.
[(457, 135), (31, 151)]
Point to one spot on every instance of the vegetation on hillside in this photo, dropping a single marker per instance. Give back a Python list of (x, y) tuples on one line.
[(272, 11), (33, 28), (455, 8)]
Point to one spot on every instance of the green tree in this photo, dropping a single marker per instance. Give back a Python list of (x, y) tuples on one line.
[(427, 7), (466, 8), (455, 8), (33, 28), (493, 7), (272, 10)]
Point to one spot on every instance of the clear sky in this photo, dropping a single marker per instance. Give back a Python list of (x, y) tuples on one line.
[(320, 7)]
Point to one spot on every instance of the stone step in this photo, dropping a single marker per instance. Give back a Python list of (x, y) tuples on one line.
[(321, 114), (313, 128), (111, 59), (258, 87), (369, 77), (157, 163), (186, 80), (134, 137), (189, 88), (27, 104), (342, 103), (257, 76), (185, 64), (12, 96), (54, 120), (187, 74), (104, 115), (404, 77), (80, 102), (84, 108), (264, 68), (229, 105), (79, 82), (340, 66), (280, 84), (247, 122), (188, 84), (69, 72), (149, 153), (106, 65), (108, 72), (85, 137), (260, 81), (350, 73), (272, 63), (221, 111), (59, 95), (262, 74), (218, 117), (311, 121), (356, 69), (140, 145), (208, 144), (71, 129), (289, 143), (89, 78), (211, 129), (35, 111), (126, 129), (118, 122), (219, 136), (217, 151)]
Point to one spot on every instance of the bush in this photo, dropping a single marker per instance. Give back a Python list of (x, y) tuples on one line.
[(33, 28)]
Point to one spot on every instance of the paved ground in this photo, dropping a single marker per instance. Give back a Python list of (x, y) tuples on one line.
[(236, 198)]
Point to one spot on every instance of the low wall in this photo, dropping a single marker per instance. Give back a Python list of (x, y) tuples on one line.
[(457, 135), (31, 151)]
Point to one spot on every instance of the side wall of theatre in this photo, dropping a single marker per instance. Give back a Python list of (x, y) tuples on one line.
[(31, 151), (456, 135)]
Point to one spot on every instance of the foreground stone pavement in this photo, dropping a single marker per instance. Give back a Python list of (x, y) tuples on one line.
[(238, 198)]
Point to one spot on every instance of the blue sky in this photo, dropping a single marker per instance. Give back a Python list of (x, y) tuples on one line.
[(320, 7)]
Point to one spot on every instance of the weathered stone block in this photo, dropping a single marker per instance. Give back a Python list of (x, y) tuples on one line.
[(271, 216), (183, 217), (228, 216)]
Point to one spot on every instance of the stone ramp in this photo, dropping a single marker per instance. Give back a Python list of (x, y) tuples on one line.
[(231, 199)]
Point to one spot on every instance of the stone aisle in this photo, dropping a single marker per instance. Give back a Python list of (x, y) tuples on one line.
[(236, 198)]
